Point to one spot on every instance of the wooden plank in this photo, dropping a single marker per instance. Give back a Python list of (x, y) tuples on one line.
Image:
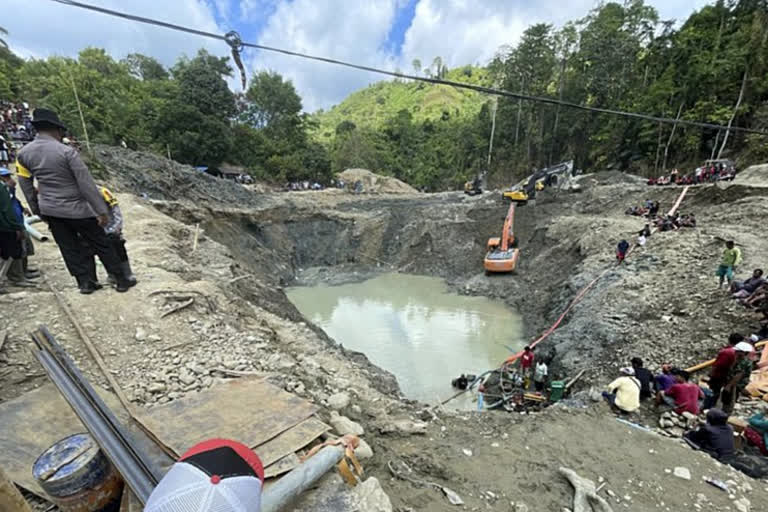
[(282, 466), (10, 497), (36, 420), (130, 503), (291, 440), (250, 411)]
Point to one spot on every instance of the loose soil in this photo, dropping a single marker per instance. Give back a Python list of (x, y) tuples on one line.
[(662, 305)]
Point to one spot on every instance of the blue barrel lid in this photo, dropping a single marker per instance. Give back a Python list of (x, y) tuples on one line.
[(63, 463)]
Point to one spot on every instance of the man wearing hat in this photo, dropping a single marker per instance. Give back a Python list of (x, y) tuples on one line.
[(68, 200), (738, 375)]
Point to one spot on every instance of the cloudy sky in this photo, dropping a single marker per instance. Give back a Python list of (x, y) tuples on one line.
[(380, 33)]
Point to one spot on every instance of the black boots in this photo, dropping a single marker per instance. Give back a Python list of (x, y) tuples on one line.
[(88, 284)]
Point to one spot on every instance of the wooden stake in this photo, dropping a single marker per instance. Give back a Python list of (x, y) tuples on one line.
[(197, 237), (80, 110)]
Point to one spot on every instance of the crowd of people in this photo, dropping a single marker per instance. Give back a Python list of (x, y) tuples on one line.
[(84, 219), (16, 129), (710, 172), (738, 371)]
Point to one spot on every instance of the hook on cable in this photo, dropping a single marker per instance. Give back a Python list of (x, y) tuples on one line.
[(235, 42)]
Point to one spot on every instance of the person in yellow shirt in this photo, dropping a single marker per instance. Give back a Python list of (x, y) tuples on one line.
[(623, 394), (731, 259)]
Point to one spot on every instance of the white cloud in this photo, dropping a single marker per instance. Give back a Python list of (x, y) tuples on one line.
[(352, 31), (40, 28)]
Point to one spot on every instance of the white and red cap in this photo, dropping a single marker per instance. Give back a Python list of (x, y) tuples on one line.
[(217, 475)]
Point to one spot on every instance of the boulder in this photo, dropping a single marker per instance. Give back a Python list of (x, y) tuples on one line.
[(338, 401), (370, 497), (364, 450), (343, 425)]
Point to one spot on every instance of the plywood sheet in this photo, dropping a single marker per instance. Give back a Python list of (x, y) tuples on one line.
[(250, 411), (284, 465), (291, 440), (34, 421)]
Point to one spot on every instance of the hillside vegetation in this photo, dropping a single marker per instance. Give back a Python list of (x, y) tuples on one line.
[(711, 68), (373, 106)]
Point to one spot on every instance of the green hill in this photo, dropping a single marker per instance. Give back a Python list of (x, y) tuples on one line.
[(372, 106)]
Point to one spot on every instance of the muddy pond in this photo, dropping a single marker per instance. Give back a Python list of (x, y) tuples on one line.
[(415, 328)]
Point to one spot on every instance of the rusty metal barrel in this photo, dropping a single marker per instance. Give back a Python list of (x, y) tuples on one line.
[(78, 477)]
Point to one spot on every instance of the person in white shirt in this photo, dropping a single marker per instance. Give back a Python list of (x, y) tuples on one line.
[(540, 375)]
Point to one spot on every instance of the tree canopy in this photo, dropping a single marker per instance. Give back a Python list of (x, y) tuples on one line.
[(712, 67)]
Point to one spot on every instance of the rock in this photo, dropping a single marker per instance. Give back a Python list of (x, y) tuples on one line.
[(370, 497), (404, 427), (364, 450), (689, 416), (681, 472), (343, 425), (742, 505), (467, 452), (186, 378), (154, 338), (141, 334), (156, 387), (338, 401)]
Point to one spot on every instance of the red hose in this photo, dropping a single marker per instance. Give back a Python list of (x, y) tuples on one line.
[(589, 286)]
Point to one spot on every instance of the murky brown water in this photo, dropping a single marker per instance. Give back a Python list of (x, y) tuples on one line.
[(413, 327)]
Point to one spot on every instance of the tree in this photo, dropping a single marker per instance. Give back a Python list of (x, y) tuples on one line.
[(202, 85), (416, 63), (145, 68), (272, 103), (2, 41)]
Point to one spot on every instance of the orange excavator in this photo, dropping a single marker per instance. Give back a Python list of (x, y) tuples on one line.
[(502, 252)]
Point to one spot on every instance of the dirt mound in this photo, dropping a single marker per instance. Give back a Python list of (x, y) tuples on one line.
[(155, 177), (376, 183), (755, 175)]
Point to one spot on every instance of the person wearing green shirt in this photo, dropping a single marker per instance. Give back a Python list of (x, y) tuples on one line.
[(731, 259), (738, 375)]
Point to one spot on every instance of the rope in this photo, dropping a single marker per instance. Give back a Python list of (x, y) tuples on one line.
[(437, 81)]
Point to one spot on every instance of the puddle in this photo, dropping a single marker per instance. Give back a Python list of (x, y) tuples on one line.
[(414, 328)]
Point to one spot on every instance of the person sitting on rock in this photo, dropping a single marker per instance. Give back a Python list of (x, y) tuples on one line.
[(743, 289), (653, 211), (665, 379), (757, 431), (623, 393), (715, 438), (757, 297), (683, 396), (738, 375), (644, 376)]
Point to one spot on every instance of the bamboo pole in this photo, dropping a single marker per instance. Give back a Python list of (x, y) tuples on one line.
[(80, 111)]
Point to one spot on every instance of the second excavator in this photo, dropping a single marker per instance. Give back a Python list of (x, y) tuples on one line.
[(502, 252)]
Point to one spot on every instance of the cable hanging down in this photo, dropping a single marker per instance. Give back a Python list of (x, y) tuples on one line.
[(436, 81)]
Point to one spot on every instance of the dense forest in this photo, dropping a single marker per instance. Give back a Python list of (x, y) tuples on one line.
[(712, 67)]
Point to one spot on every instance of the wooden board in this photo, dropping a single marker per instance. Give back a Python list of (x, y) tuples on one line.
[(130, 503), (36, 420), (291, 440), (250, 411), (283, 465)]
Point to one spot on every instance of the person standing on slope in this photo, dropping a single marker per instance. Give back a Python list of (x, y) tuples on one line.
[(730, 260), (68, 200)]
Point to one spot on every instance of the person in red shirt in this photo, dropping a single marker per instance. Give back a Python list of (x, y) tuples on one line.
[(684, 396), (718, 375), (526, 364)]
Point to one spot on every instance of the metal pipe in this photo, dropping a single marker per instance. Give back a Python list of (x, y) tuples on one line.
[(300, 479), (117, 452), (34, 233), (33, 219)]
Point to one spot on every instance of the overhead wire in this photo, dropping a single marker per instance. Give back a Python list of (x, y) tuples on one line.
[(436, 81)]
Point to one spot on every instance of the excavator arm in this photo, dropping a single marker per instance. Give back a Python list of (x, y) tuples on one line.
[(508, 232)]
